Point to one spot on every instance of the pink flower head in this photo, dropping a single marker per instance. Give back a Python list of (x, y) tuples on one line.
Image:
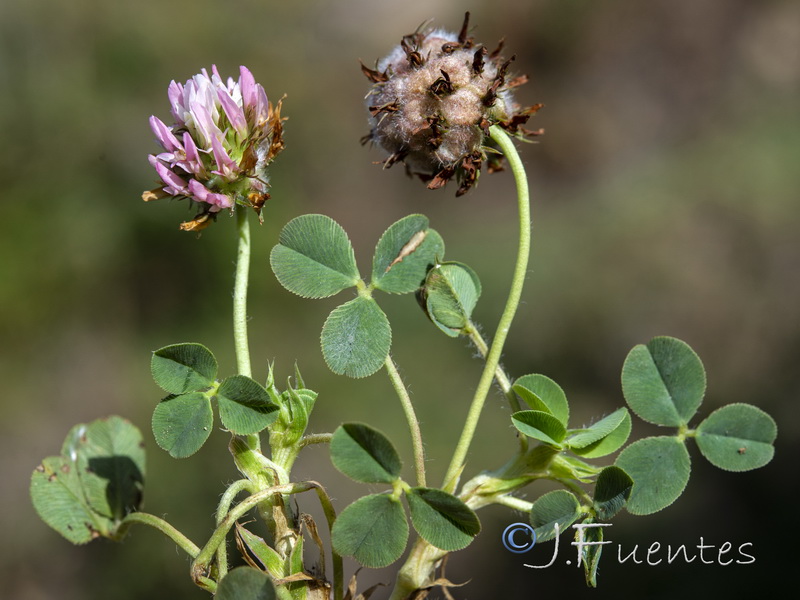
[(225, 132)]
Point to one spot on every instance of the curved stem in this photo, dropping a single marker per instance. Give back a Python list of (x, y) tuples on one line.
[(502, 379), (411, 417), (157, 523), (203, 557), (493, 358), (500, 375), (224, 506), (241, 344)]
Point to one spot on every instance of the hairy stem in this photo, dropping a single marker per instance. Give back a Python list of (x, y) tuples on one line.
[(503, 327), (224, 506), (241, 344), (411, 417), (157, 523), (315, 438), (500, 375), (502, 379), (203, 557)]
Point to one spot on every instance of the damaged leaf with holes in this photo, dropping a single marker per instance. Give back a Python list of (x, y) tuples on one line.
[(96, 481)]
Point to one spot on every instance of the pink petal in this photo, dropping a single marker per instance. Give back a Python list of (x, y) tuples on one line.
[(204, 123), (247, 84), (202, 194), (193, 161), (164, 135), (234, 113), (176, 100), (174, 184), (225, 166)]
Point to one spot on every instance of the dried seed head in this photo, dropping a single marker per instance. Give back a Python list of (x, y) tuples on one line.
[(433, 99)]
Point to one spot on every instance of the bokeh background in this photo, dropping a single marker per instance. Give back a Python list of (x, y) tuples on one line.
[(667, 201)]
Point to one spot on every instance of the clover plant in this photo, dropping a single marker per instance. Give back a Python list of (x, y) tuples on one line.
[(443, 105)]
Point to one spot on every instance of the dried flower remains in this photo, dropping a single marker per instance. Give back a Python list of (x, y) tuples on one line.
[(432, 102)]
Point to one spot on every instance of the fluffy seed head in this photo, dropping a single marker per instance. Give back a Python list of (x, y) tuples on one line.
[(224, 135), (433, 100)]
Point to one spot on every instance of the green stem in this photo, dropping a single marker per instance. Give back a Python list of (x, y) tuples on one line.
[(203, 557), (224, 506), (315, 438), (153, 521), (500, 375), (493, 358), (502, 379), (241, 345), (515, 503), (411, 418), (240, 293), (578, 490)]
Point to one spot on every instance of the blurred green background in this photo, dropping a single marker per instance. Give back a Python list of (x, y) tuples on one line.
[(666, 201)]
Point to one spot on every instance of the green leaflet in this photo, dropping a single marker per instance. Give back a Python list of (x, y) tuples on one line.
[(356, 338), (737, 437), (182, 424), (183, 368), (364, 454), (245, 407), (449, 296), (246, 583), (542, 393), (314, 258), (405, 252), (664, 381), (557, 507), (659, 467), (95, 483), (442, 519), (373, 530)]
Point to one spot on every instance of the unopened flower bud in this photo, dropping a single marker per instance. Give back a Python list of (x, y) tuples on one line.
[(433, 100), (224, 135)]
